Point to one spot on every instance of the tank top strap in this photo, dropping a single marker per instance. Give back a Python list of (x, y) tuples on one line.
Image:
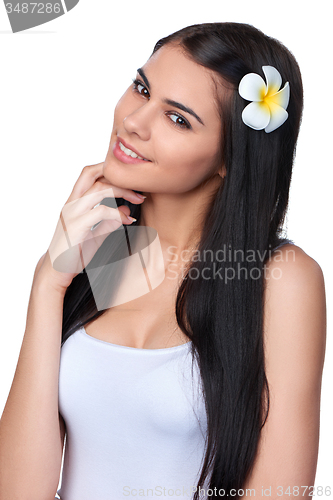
[(284, 242)]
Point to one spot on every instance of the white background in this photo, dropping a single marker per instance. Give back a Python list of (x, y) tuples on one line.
[(59, 84)]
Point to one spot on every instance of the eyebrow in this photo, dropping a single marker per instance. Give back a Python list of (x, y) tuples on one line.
[(170, 101)]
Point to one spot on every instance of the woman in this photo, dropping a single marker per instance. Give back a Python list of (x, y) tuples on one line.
[(204, 381)]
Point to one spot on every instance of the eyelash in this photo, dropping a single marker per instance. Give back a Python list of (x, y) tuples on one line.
[(186, 124)]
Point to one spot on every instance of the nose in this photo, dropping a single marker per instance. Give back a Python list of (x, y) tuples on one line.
[(139, 122)]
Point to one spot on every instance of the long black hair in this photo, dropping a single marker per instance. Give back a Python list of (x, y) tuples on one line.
[(224, 317)]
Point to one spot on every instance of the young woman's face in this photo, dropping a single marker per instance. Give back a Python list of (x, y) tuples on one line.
[(170, 118)]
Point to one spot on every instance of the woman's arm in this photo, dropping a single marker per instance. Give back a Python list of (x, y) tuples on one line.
[(294, 343), (31, 431)]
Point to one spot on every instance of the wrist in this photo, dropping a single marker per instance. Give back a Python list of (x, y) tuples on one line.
[(45, 284), (47, 277)]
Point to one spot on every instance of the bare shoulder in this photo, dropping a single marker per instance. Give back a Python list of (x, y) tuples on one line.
[(290, 262), (294, 333), (294, 312), (292, 276)]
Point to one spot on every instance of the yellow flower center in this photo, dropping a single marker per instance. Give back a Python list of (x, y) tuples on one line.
[(263, 93)]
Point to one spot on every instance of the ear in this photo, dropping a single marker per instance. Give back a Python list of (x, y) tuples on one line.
[(222, 172)]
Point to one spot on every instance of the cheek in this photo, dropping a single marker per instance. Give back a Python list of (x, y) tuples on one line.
[(123, 107), (119, 111), (195, 157)]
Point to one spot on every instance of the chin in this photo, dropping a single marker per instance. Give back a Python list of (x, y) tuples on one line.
[(118, 175)]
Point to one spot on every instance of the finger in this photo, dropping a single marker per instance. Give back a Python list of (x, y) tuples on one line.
[(111, 225), (125, 209), (124, 193), (75, 209), (89, 176), (88, 201), (104, 228), (103, 183), (103, 212)]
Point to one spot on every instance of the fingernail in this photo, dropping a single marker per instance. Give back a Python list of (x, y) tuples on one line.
[(141, 196), (131, 219)]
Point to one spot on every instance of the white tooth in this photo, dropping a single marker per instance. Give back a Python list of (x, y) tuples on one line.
[(129, 152)]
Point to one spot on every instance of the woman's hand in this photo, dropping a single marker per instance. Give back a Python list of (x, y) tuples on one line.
[(74, 243)]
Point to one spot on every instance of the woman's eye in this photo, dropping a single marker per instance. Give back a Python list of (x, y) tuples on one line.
[(179, 120), (140, 88)]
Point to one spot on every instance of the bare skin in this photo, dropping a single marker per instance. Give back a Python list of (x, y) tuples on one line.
[(294, 342), (180, 179), (31, 429), (181, 175), (186, 174), (178, 182)]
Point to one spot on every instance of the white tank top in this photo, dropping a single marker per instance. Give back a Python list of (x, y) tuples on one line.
[(136, 421)]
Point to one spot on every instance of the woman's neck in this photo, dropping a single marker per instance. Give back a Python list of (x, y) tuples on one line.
[(179, 218)]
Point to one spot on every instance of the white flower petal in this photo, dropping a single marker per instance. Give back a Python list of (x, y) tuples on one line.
[(252, 87), (278, 117), (273, 79), (281, 98), (256, 115)]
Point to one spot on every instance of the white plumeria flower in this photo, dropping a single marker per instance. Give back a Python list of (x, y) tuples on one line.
[(268, 109)]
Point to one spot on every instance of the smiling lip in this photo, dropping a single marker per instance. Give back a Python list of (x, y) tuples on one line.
[(123, 157)]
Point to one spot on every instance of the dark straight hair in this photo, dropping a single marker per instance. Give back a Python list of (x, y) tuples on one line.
[(224, 318)]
